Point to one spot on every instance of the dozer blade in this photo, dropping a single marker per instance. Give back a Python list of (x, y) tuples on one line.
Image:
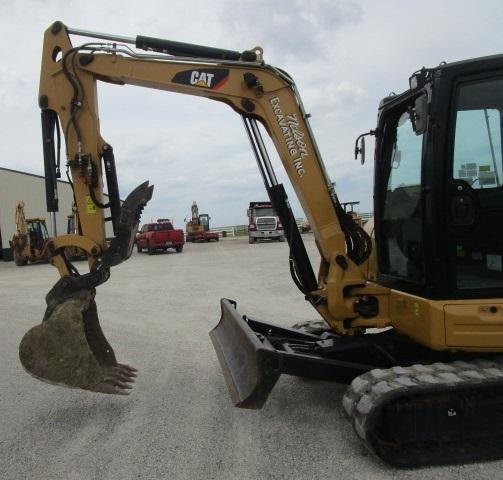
[(69, 349), (253, 354), (250, 367)]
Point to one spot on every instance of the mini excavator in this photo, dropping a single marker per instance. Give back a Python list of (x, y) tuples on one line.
[(413, 320)]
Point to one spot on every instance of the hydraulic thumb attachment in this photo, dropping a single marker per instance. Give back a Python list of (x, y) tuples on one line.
[(69, 348)]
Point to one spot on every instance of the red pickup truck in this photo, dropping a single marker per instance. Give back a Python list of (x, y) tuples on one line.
[(159, 236)]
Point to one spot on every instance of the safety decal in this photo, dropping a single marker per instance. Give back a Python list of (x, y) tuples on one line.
[(211, 78), (90, 206)]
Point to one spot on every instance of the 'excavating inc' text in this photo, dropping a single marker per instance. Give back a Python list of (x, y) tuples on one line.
[(293, 135)]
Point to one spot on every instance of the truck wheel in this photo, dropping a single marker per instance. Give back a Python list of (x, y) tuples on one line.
[(138, 248), (20, 261), (281, 239), (179, 249), (251, 240)]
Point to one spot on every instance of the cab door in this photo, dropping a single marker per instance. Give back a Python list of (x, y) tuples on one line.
[(475, 190), (399, 199)]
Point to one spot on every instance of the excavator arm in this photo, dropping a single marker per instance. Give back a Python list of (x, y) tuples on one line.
[(258, 92), (21, 228)]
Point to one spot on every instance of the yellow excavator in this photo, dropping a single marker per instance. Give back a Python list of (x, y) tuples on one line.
[(414, 323), (30, 240), (197, 229)]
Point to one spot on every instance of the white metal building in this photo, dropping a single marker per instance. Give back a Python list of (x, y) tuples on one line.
[(30, 188)]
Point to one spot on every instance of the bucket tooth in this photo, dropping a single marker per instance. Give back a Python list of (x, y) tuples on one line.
[(250, 367), (69, 349)]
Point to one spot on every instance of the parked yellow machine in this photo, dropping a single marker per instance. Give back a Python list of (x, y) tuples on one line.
[(197, 229), (30, 240), (427, 390)]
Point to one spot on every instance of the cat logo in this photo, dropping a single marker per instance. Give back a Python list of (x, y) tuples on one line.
[(211, 78), (201, 79)]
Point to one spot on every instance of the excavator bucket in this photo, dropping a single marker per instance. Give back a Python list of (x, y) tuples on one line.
[(69, 348), (250, 367)]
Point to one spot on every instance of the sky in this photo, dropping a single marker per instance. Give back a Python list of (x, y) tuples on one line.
[(343, 55)]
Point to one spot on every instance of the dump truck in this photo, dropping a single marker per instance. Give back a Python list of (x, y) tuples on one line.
[(264, 223)]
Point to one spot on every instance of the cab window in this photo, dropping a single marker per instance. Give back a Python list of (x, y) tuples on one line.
[(402, 247), (477, 148), (477, 172)]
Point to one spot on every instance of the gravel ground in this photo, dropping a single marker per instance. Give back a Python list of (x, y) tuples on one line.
[(178, 423)]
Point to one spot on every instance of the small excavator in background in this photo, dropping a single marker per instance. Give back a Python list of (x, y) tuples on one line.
[(30, 240), (413, 320), (197, 229)]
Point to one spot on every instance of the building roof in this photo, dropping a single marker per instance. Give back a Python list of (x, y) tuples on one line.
[(28, 174)]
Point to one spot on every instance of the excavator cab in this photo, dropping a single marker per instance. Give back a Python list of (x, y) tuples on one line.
[(204, 221), (438, 189), (37, 231)]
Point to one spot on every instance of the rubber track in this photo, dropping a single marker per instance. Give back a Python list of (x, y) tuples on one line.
[(369, 392)]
